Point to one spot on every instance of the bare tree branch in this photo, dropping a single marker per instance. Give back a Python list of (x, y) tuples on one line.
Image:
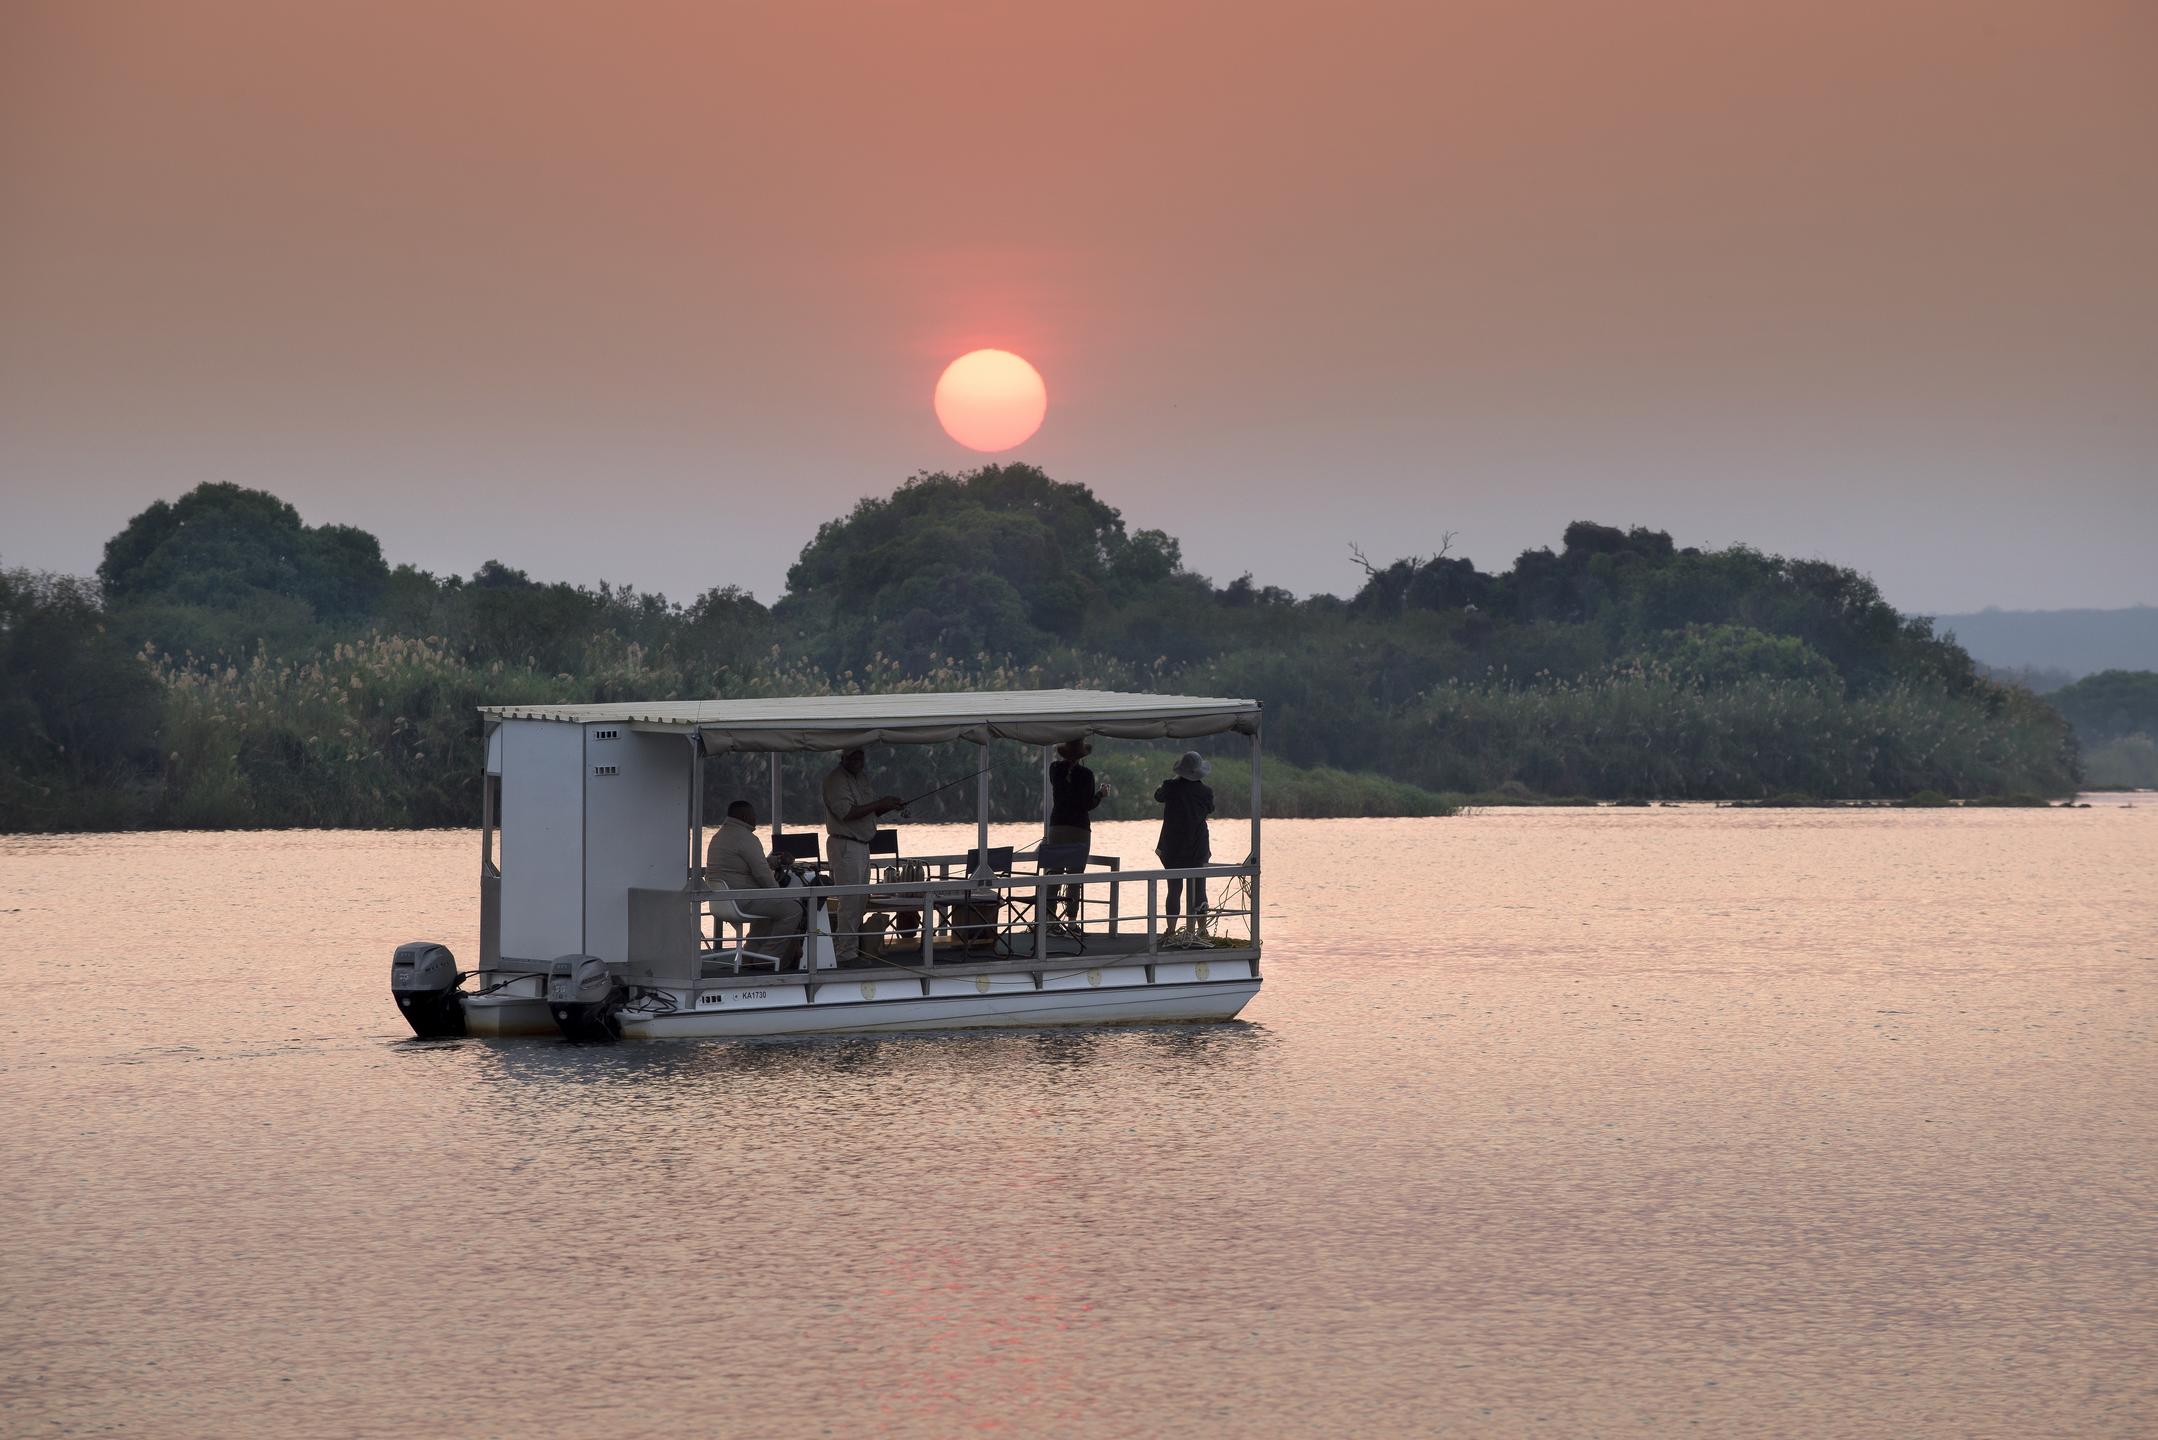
[(1414, 562)]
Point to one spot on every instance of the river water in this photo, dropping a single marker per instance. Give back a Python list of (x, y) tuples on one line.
[(1612, 1122)]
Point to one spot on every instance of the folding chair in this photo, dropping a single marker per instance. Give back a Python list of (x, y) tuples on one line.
[(725, 912), (1068, 858), (796, 845), (1000, 860)]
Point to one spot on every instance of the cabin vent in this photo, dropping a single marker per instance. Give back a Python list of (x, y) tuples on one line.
[(603, 770), (606, 734)]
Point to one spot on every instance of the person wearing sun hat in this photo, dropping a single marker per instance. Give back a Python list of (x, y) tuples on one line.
[(1185, 803), (1068, 839)]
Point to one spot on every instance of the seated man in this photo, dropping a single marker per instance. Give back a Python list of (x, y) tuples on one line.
[(736, 860)]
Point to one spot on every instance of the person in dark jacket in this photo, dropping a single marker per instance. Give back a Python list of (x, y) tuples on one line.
[(1074, 794), (1185, 804)]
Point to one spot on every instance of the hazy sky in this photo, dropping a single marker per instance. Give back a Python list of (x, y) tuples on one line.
[(646, 291)]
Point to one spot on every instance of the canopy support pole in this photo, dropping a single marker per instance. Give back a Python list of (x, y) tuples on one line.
[(1254, 885), (696, 807), (981, 812), (777, 823), (1043, 898), (490, 786)]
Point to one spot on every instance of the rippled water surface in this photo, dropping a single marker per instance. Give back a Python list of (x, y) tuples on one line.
[(1617, 1122)]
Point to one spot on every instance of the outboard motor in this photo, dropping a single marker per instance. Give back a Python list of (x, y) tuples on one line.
[(423, 978), (584, 997)]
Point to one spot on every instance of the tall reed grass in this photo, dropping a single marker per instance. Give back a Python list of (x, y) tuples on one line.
[(385, 731), (1648, 733), (2129, 762)]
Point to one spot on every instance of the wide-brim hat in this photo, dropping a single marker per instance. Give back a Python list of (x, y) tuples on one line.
[(1075, 749), (1193, 765)]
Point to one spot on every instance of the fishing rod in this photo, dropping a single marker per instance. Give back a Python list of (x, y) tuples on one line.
[(904, 805), (947, 785)]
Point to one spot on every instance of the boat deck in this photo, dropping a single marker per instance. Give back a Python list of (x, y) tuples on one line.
[(1063, 958)]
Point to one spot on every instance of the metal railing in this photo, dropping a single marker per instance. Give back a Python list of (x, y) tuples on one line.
[(972, 917)]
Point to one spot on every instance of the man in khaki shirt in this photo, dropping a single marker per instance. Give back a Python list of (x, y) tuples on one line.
[(736, 860), (851, 808)]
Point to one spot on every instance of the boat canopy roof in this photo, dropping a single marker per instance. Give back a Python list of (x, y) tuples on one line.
[(842, 722)]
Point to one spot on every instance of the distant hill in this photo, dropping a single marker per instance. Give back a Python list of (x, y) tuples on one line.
[(2080, 642)]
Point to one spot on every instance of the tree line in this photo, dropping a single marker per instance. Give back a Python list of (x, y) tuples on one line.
[(231, 664)]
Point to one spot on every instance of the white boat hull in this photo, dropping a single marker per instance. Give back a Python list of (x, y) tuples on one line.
[(1122, 990), (1123, 1005), (502, 1017)]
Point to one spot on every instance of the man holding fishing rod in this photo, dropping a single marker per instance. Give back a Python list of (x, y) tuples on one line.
[(851, 808)]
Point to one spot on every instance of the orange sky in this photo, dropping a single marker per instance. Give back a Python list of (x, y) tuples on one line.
[(537, 281)]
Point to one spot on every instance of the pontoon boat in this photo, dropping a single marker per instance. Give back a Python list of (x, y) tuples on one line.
[(597, 919)]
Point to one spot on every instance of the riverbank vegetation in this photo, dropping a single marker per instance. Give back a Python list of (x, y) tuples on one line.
[(2115, 714), (234, 666)]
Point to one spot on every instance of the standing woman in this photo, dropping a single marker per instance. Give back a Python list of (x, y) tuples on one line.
[(1069, 840), (1185, 804)]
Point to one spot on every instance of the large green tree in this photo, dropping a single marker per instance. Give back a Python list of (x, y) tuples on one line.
[(218, 543), (1001, 560), (225, 567), (78, 710)]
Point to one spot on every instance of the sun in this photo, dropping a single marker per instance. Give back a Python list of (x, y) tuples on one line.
[(991, 400)]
